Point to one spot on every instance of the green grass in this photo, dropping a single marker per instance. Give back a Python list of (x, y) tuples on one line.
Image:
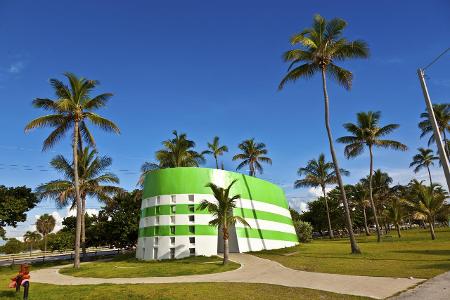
[(182, 291), (415, 254), (128, 266)]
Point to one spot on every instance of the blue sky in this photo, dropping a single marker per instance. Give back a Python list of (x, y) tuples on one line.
[(212, 68)]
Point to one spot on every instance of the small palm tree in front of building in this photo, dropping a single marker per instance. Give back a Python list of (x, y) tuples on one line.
[(222, 212)]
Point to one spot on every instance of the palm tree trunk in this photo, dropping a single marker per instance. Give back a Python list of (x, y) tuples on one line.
[(445, 143), (372, 204), (83, 225), (398, 230), (366, 228), (433, 235), (330, 230), (217, 162), (45, 245), (353, 244), (252, 169), (76, 262), (429, 175), (226, 249)]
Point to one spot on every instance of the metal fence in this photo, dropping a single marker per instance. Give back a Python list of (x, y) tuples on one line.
[(41, 256)]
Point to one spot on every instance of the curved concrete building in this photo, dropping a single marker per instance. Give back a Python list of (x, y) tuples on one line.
[(172, 227)]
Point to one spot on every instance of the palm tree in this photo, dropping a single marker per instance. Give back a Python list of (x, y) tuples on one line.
[(222, 212), (72, 108), (442, 115), (216, 150), (319, 173), (359, 195), (424, 159), (31, 238), (93, 178), (396, 212), (252, 156), (367, 132), (44, 225), (427, 201), (321, 46)]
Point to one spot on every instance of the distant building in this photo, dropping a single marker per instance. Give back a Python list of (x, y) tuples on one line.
[(172, 227)]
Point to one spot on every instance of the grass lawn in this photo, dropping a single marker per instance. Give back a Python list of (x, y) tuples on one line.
[(129, 266), (182, 291), (415, 254)]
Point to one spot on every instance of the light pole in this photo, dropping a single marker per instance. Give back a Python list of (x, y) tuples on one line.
[(437, 135)]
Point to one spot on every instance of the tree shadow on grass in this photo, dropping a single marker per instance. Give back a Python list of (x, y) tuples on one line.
[(428, 252), (441, 266), (8, 294)]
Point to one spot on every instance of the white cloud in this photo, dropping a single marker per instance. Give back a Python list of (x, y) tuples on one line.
[(16, 67), (317, 191), (298, 204), (59, 218)]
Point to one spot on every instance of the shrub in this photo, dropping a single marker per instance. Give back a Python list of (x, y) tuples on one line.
[(12, 246), (303, 230)]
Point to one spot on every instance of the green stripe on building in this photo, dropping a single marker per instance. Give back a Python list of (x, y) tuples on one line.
[(192, 230), (166, 230), (261, 215), (266, 234), (193, 180)]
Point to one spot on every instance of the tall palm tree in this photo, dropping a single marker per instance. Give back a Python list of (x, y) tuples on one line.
[(424, 159), (367, 132), (222, 212), (427, 201), (31, 238), (321, 46), (252, 156), (442, 115), (70, 111), (45, 225), (359, 196), (216, 150), (319, 173), (93, 178)]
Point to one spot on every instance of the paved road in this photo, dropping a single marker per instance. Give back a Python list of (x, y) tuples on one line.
[(55, 257), (437, 288), (256, 270)]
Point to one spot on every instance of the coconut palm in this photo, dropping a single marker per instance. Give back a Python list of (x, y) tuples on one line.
[(319, 173), (359, 196), (216, 150), (31, 238), (427, 201), (93, 178), (321, 46), (252, 156), (45, 225), (442, 115), (424, 159), (367, 132), (70, 111), (396, 211), (222, 212)]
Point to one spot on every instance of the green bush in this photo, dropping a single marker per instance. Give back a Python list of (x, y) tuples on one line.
[(12, 246), (303, 230)]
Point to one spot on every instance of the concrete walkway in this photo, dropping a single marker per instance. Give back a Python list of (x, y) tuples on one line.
[(256, 270), (437, 288)]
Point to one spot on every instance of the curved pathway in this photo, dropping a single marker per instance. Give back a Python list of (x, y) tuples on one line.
[(256, 270)]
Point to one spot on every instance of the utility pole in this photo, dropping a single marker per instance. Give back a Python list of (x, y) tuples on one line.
[(437, 135)]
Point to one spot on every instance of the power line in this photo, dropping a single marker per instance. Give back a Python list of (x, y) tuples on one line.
[(436, 59)]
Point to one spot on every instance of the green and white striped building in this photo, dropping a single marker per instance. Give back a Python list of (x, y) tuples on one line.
[(172, 227)]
